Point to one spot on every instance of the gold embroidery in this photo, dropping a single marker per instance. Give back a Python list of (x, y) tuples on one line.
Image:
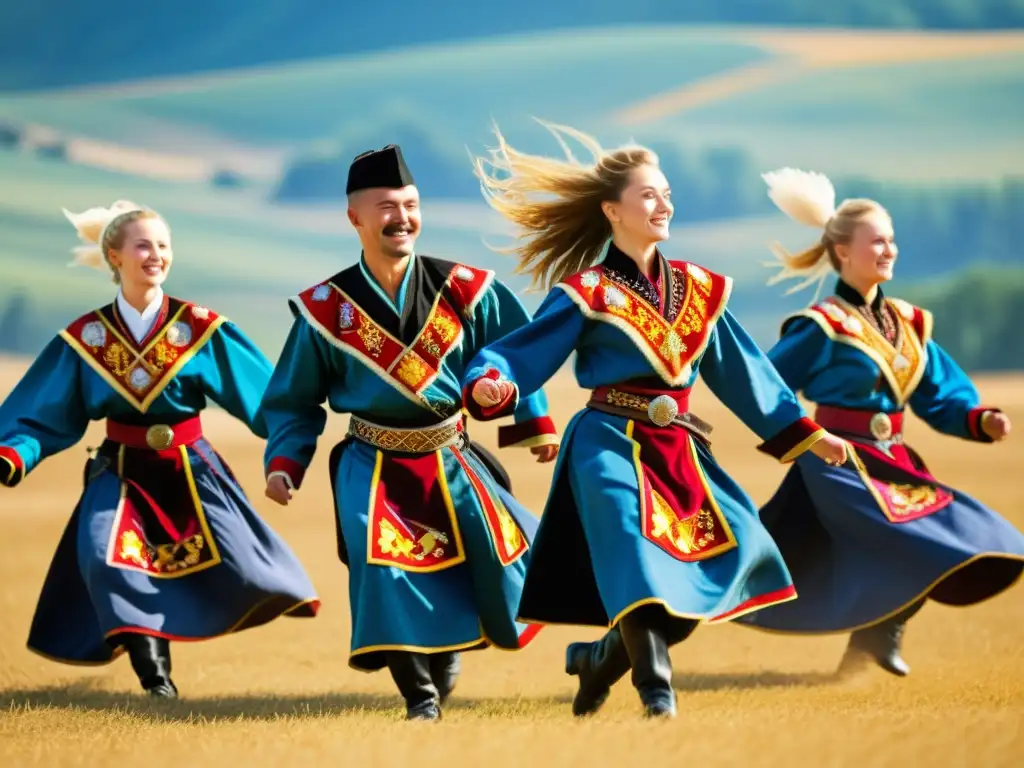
[(902, 359), (167, 560), (162, 355), (911, 499), (510, 534), (411, 370), (425, 440), (684, 535), (431, 346), (117, 359), (394, 542), (132, 549), (445, 328), (371, 338)]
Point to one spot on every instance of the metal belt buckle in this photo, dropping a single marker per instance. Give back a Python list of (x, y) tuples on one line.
[(880, 426), (159, 437), (662, 410)]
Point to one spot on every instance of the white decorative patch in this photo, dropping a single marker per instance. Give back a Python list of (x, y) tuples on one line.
[(321, 293), (179, 334), (900, 363), (94, 334), (904, 308), (698, 274), (200, 312), (613, 297), (853, 325), (345, 316), (139, 378), (590, 279), (836, 313), (464, 273)]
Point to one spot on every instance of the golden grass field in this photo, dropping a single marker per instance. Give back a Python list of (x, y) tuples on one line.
[(284, 695)]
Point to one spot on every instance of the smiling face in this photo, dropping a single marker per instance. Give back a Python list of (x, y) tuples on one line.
[(867, 259), (387, 220), (644, 208), (142, 253)]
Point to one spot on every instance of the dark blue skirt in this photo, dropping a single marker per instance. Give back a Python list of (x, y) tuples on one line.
[(163, 546), (866, 540)]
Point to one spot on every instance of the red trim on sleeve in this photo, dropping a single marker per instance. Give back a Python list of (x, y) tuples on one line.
[(514, 434), (974, 419), (12, 468), (290, 467), (793, 440)]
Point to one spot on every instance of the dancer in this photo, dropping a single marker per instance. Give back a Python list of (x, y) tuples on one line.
[(163, 544), (435, 544), (643, 531), (868, 543)]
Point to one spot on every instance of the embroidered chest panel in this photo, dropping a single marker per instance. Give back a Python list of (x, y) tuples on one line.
[(409, 368), (670, 345), (140, 375), (901, 361)]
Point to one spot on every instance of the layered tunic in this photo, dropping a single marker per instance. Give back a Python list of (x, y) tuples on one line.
[(866, 540), (163, 541), (435, 543), (639, 511)]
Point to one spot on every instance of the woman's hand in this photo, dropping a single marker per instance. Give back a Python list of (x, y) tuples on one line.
[(831, 449), (996, 425)]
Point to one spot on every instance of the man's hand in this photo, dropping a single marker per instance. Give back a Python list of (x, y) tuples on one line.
[(545, 453), (491, 392), (278, 490)]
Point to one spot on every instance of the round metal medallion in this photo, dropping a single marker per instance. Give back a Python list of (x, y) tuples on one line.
[(881, 426), (662, 410), (139, 378), (94, 334), (179, 334), (159, 437)]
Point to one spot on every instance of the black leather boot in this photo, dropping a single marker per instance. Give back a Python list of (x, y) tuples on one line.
[(652, 667), (151, 660), (411, 673), (444, 671), (599, 665), (881, 642)]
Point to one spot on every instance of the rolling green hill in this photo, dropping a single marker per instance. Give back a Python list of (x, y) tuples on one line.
[(910, 109)]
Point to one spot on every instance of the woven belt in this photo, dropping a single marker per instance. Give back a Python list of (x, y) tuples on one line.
[(158, 437), (660, 409), (410, 440), (884, 427)]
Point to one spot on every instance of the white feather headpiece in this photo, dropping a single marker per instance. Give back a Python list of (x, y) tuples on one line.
[(809, 198), (92, 226)]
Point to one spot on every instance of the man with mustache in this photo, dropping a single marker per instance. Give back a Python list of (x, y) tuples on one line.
[(435, 543)]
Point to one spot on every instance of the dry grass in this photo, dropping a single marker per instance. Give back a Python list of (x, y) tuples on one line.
[(284, 695)]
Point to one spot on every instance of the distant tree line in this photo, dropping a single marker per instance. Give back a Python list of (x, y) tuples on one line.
[(944, 227), (979, 313)]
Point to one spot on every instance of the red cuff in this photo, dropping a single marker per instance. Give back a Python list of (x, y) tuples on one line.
[(538, 431), (292, 468), (974, 418), (12, 468), (793, 440), (481, 413)]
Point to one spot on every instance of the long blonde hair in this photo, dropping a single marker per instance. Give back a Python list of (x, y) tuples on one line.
[(103, 230), (557, 202), (809, 198)]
